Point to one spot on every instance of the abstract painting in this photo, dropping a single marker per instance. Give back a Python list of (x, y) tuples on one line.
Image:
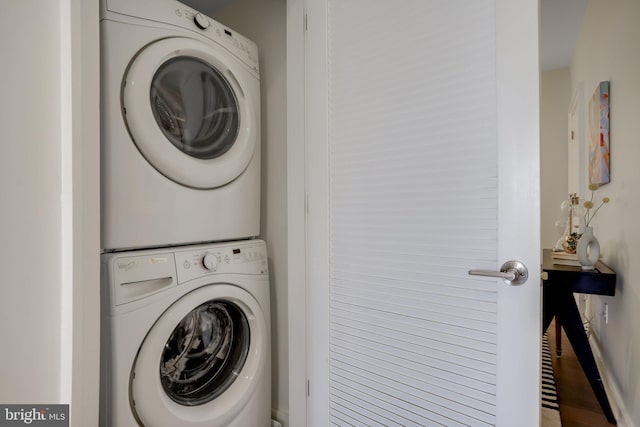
[(598, 122)]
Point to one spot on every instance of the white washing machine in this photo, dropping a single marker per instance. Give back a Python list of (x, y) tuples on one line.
[(180, 98), (186, 337)]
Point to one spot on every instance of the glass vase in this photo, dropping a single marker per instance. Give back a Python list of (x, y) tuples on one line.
[(570, 224)]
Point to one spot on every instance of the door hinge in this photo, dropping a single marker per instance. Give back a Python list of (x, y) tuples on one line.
[(306, 204), (306, 22), (308, 389)]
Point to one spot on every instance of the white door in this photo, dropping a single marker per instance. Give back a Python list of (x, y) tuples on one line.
[(422, 163), (577, 179)]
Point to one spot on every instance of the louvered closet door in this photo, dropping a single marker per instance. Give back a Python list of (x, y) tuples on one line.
[(422, 164)]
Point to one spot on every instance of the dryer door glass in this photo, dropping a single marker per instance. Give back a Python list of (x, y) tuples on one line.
[(195, 107), (205, 353)]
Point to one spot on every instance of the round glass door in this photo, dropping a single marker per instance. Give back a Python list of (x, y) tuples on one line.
[(192, 111), (201, 359), (205, 353), (195, 107)]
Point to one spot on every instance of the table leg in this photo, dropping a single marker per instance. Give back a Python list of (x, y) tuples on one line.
[(571, 322), (558, 339), (549, 306)]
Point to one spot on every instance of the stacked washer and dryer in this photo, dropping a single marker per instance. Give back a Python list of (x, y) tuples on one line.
[(185, 289)]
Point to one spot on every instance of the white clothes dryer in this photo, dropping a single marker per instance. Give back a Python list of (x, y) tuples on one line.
[(180, 128), (186, 337)]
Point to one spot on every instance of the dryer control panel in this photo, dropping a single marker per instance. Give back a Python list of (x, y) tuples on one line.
[(185, 17), (240, 258)]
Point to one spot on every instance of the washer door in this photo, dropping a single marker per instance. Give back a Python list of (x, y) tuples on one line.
[(200, 362), (188, 112)]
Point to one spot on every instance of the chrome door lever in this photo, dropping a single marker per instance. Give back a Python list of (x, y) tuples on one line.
[(513, 272)]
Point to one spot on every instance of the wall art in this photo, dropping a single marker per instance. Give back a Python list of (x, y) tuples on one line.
[(598, 122)]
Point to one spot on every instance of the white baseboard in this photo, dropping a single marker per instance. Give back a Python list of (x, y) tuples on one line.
[(618, 407)]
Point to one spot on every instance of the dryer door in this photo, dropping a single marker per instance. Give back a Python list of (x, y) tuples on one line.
[(188, 108), (200, 362)]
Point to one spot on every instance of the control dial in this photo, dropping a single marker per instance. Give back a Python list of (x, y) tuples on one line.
[(201, 21), (209, 261)]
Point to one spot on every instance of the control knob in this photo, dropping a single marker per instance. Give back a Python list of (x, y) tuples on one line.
[(209, 261), (201, 21)]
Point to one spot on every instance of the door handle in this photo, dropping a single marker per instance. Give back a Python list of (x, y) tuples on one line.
[(513, 272)]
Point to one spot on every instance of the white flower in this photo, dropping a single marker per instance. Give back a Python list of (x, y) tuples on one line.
[(588, 205)]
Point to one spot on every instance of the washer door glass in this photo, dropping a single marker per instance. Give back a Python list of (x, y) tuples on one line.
[(192, 110), (195, 107), (205, 353)]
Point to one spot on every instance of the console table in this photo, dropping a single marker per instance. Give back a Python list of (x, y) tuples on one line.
[(558, 285)]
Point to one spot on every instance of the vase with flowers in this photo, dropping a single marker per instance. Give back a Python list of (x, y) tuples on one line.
[(588, 248)]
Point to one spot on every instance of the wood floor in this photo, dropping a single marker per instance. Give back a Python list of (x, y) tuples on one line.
[(578, 404)]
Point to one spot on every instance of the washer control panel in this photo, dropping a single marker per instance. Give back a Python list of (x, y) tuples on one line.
[(240, 258)]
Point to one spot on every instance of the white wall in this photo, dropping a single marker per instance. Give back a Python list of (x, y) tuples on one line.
[(264, 22), (554, 105), (49, 307), (30, 190), (607, 49)]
